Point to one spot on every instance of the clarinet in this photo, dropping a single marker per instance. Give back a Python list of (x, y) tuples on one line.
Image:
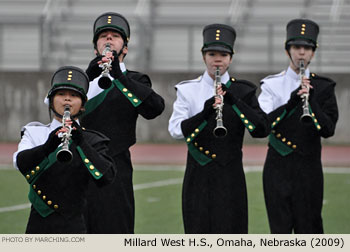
[(220, 130), (105, 82), (64, 155), (306, 116)]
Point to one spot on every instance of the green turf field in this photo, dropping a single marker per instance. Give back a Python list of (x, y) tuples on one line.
[(158, 201)]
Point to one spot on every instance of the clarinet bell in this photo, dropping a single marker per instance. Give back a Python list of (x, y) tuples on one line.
[(104, 82), (220, 130), (64, 156)]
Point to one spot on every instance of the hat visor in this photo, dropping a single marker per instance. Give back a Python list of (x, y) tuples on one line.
[(301, 42), (53, 91), (219, 48)]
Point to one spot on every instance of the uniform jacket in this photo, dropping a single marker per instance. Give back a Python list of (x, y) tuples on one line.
[(57, 187), (187, 120), (114, 111), (288, 133)]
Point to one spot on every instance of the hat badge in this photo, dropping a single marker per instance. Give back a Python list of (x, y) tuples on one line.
[(109, 19), (218, 34), (303, 29), (70, 75)]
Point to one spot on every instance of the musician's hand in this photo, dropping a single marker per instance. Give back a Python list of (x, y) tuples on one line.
[(116, 72), (94, 70), (305, 86), (52, 141), (217, 102), (294, 99), (77, 133), (220, 90), (208, 107)]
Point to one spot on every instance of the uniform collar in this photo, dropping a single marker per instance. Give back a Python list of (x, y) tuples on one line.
[(224, 78), (122, 66), (291, 74)]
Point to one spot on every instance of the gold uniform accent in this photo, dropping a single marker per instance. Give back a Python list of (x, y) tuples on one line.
[(242, 115), (32, 172), (192, 135), (125, 90), (97, 174), (206, 152), (55, 206), (130, 95), (34, 186), (278, 119), (188, 140), (278, 135), (91, 167), (49, 202), (274, 123), (27, 176), (136, 101), (213, 156), (318, 127), (284, 139), (196, 144), (39, 192), (315, 120), (246, 121), (196, 130), (233, 79), (201, 148), (44, 197), (294, 146), (86, 160), (250, 127), (37, 168), (289, 143)]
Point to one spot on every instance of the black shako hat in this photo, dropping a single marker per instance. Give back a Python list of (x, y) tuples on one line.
[(112, 21), (302, 32), (218, 37), (70, 77)]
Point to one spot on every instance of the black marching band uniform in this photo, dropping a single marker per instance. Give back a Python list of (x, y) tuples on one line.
[(114, 111), (292, 176), (58, 190), (214, 198)]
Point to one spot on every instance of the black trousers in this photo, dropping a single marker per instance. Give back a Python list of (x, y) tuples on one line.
[(293, 190), (111, 208)]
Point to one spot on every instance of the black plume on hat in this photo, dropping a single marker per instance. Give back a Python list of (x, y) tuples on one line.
[(218, 37), (70, 77), (302, 32), (112, 21)]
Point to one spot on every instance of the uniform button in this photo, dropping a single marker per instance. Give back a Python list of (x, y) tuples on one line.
[(83, 128), (188, 140), (318, 127), (273, 131), (312, 114), (91, 167), (315, 120), (97, 174), (49, 202), (39, 192), (213, 156), (86, 160), (233, 79), (37, 168), (125, 90), (55, 206), (32, 172), (192, 135), (283, 139), (242, 115), (294, 146), (278, 119), (246, 121), (250, 127), (196, 130), (196, 144), (130, 95), (27, 176), (206, 152), (44, 197), (136, 101), (278, 135), (274, 123), (313, 75), (201, 148), (34, 186), (289, 143)]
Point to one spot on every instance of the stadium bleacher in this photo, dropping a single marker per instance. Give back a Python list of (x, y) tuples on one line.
[(166, 34)]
